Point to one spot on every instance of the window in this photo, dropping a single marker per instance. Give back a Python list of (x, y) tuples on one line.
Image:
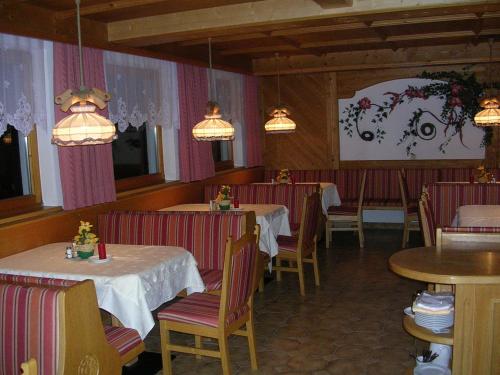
[(229, 95), (22, 93), (140, 88), (135, 152)]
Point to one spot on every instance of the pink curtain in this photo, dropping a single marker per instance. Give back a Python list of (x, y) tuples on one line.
[(195, 157), (87, 176), (252, 122)]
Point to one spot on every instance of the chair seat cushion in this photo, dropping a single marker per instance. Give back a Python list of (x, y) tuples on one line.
[(343, 210), (211, 278), (122, 339), (288, 243), (200, 309)]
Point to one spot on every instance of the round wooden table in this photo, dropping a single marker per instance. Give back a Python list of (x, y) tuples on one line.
[(475, 275)]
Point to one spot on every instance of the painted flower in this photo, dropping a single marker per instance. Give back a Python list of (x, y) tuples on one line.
[(455, 89), (365, 103), (455, 102)]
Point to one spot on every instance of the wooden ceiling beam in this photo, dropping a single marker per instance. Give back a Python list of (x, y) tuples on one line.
[(320, 29), (379, 59), (225, 39), (340, 42), (327, 4), (448, 34), (254, 50), (422, 20), (261, 13), (105, 6)]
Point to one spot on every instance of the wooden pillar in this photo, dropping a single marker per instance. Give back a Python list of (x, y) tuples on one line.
[(332, 117)]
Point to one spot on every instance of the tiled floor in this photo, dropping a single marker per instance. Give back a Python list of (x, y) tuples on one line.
[(349, 325)]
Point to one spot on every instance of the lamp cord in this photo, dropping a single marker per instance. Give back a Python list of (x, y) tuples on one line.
[(278, 70), (490, 42), (80, 55), (210, 69)]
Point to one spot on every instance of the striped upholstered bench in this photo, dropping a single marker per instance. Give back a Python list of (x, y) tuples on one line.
[(204, 234), (57, 322), (445, 198), (289, 195)]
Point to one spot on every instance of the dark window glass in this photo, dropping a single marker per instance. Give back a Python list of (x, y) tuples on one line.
[(11, 182), (130, 153), (222, 151)]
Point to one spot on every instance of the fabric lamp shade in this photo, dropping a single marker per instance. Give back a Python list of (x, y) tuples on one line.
[(213, 128), (490, 115), (280, 123), (83, 127)]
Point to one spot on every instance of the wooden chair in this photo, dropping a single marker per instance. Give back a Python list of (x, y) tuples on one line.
[(427, 223), (217, 317), (350, 217), (299, 248), (410, 210)]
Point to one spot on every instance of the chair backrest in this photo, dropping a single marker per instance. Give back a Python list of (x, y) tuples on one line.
[(403, 187), (479, 238), (361, 195), (309, 224), (238, 280), (426, 217)]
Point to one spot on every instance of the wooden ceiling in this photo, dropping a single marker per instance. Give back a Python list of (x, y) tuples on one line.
[(245, 31)]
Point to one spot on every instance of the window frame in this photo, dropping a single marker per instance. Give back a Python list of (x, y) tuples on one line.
[(31, 202), (137, 182)]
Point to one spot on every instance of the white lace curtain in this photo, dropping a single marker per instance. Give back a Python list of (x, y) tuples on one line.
[(228, 91), (143, 90), (22, 83)]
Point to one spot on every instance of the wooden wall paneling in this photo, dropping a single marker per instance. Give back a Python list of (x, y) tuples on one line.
[(306, 148), (325, 140), (63, 225), (332, 105)]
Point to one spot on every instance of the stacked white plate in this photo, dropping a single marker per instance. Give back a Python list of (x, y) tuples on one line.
[(434, 322)]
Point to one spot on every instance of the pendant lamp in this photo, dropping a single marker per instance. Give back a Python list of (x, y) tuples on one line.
[(83, 126), (213, 128), (279, 123), (490, 115)]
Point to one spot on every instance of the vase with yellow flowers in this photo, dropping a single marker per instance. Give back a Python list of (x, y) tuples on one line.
[(223, 198), (283, 176), (483, 176), (85, 240)]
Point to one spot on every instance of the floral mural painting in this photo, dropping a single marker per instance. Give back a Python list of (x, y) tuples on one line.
[(434, 110)]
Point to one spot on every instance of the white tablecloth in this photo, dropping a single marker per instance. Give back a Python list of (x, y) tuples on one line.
[(272, 218), (136, 281), (329, 196), (477, 216)]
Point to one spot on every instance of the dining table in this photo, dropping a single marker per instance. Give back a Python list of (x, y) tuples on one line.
[(477, 216), (130, 283), (272, 218), (329, 194)]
